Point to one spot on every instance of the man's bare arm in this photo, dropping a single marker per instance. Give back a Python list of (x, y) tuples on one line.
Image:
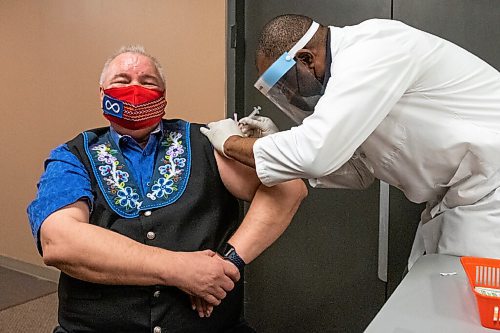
[(270, 212), (95, 254), (271, 209)]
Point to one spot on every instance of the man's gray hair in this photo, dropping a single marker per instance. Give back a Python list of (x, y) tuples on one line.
[(138, 49)]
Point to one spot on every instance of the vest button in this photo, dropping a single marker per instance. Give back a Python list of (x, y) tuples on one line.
[(157, 329), (156, 294), (147, 213), (150, 235)]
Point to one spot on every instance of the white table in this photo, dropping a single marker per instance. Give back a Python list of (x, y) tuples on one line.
[(427, 302)]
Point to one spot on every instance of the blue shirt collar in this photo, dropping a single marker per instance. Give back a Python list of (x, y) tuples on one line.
[(154, 137)]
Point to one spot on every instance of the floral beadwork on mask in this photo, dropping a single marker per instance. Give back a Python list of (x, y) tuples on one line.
[(171, 171)]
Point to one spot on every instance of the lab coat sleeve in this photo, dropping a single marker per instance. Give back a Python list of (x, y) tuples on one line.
[(354, 174), (367, 80)]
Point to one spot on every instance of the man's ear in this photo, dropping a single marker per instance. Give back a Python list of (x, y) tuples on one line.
[(306, 57), (101, 93)]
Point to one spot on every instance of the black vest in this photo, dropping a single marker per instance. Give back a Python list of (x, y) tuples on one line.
[(202, 217)]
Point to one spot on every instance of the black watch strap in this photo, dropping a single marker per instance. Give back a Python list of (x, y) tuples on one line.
[(229, 253)]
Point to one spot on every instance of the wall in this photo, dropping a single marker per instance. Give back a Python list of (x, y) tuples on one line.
[(51, 56)]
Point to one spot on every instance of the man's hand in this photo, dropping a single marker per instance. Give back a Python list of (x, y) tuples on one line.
[(256, 126), (201, 306), (205, 275), (218, 132)]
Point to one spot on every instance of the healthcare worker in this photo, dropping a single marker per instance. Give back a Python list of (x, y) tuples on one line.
[(381, 100)]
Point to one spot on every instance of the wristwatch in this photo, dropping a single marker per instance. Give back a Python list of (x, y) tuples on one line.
[(230, 254)]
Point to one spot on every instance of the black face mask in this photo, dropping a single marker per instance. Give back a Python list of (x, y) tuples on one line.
[(308, 85), (308, 88), (305, 103)]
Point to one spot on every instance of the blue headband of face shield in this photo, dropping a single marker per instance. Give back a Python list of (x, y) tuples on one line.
[(272, 83), (275, 72)]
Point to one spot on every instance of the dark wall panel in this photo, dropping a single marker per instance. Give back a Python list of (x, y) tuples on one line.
[(472, 24), (404, 217)]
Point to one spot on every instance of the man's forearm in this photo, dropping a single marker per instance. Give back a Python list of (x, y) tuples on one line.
[(240, 149), (95, 254), (270, 213)]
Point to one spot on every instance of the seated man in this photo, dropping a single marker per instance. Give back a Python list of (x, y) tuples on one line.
[(132, 214)]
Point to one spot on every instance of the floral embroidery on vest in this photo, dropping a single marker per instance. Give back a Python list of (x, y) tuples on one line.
[(172, 168), (171, 171), (116, 179)]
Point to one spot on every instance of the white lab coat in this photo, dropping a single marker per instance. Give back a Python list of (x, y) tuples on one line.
[(411, 109)]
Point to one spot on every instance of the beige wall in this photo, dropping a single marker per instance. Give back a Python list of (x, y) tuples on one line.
[(51, 55)]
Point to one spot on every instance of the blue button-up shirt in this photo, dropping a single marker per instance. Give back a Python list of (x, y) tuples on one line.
[(65, 179)]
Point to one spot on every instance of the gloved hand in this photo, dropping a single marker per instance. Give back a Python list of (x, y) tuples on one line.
[(256, 126), (219, 131)]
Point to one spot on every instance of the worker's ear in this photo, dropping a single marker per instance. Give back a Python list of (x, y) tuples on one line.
[(306, 57)]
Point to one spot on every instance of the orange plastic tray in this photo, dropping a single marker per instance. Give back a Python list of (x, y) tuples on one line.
[(484, 272)]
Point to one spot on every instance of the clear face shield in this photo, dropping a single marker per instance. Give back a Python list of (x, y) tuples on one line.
[(290, 85)]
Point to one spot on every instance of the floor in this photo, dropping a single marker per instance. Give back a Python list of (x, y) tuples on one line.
[(27, 303)]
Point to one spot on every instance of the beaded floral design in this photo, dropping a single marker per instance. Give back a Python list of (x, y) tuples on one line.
[(172, 168), (168, 182), (116, 179)]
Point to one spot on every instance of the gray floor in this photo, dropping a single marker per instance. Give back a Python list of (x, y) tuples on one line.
[(36, 316), (17, 288), (27, 303)]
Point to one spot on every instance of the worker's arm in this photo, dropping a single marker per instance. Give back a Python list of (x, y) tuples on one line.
[(354, 174), (95, 254), (240, 149)]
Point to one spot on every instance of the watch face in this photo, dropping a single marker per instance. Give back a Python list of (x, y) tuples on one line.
[(228, 249), (229, 253)]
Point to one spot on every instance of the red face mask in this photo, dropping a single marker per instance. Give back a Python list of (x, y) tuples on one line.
[(133, 107)]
